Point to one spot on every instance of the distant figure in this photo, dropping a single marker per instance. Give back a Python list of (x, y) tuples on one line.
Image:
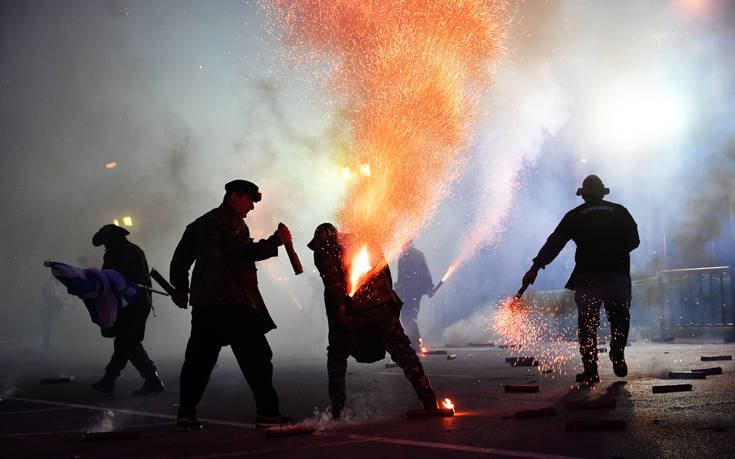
[(129, 260), (414, 281), (227, 308), (605, 234), (365, 325), (51, 306)]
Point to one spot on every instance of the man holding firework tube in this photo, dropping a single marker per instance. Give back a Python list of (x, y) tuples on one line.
[(227, 307), (364, 325), (605, 234)]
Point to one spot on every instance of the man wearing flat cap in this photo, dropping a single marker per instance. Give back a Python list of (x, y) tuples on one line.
[(227, 308), (129, 260), (605, 234)]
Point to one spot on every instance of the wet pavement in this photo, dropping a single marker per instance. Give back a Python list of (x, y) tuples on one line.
[(48, 420)]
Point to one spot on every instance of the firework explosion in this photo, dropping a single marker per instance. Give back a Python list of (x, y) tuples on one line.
[(536, 330), (410, 74)]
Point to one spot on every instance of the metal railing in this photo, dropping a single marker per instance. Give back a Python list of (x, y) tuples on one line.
[(696, 297)]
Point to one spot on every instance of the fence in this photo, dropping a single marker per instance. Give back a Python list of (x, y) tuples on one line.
[(697, 297)]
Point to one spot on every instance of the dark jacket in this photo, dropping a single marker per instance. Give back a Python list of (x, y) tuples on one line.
[(129, 260), (225, 273), (414, 278), (605, 234)]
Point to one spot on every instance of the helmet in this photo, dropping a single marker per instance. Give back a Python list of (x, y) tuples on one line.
[(321, 234)]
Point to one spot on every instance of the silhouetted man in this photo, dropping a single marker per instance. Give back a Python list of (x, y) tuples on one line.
[(605, 234), (227, 308), (129, 260), (364, 325), (414, 281)]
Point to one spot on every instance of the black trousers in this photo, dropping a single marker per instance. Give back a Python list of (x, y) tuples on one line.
[(129, 331), (410, 319), (215, 326), (614, 291)]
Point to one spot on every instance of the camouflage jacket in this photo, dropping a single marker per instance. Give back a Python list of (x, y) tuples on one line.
[(225, 255), (330, 262), (129, 260)]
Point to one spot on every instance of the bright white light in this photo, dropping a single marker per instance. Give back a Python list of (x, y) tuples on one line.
[(629, 119)]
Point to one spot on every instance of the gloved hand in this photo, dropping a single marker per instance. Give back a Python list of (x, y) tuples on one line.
[(282, 234), (181, 299), (530, 277)]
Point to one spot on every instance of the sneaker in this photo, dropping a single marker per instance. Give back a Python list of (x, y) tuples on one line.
[(588, 379), (188, 424), (619, 366), (270, 421), (152, 385), (106, 385)]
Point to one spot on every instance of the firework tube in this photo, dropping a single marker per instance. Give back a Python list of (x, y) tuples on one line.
[(152, 290), (295, 262), (433, 291), (167, 287), (521, 291)]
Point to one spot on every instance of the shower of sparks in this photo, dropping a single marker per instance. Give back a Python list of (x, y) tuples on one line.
[(410, 73), (536, 330)]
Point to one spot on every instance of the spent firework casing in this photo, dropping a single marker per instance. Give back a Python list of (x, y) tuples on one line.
[(687, 375), (434, 352), (709, 371), (451, 356), (671, 388), (522, 389), (714, 358)]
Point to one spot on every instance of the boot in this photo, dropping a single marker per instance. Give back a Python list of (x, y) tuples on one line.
[(152, 385), (106, 384), (428, 399), (589, 377), (618, 360)]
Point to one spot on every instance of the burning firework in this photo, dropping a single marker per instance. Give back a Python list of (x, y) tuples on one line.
[(410, 73), (448, 404)]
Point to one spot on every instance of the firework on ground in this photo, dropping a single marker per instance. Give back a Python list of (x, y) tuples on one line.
[(537, 329), (410, 74)]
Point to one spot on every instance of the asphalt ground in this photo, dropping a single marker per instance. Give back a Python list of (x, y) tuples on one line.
[(49, 420)]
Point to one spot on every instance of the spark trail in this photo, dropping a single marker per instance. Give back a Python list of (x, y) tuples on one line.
[(410, 74)]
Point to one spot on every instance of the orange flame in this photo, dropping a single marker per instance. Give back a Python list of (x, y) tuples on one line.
[(447, 403), (411, 76), (421, 345), (111, 165), (358, 269)]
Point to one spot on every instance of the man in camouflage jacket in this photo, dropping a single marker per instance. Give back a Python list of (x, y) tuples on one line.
[(359, 324)]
